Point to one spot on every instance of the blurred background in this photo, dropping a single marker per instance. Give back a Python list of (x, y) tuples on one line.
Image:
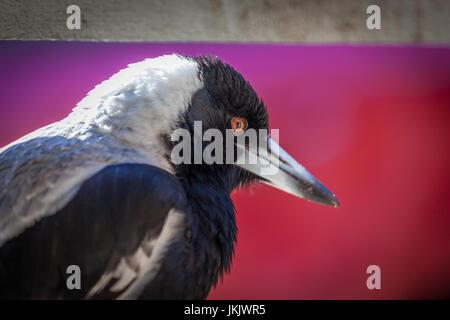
[(371, 122)]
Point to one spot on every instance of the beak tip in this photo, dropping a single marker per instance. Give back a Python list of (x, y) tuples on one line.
[(329, 198), (331, 201), (336, 203)]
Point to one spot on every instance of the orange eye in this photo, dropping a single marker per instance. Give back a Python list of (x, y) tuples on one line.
[(238, 125)]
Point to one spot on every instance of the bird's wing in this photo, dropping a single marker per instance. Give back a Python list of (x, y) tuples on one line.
[(116, 229), (39, 175)]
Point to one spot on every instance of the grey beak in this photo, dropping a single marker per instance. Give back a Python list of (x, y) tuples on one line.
[(278, 169)]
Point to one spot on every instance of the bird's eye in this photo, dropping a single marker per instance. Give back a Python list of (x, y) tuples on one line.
[(238, 125)]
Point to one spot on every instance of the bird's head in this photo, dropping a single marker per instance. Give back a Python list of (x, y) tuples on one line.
[(198, 115)]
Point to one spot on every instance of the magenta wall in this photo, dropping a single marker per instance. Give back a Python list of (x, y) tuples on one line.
[(370, 122)]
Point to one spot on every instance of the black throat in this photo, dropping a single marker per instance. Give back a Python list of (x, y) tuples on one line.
[(213, 227)]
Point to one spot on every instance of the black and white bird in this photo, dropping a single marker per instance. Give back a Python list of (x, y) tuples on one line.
[(98, 189)]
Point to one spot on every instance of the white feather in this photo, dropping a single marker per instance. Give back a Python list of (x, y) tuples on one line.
[(145, 264), (150, 266)]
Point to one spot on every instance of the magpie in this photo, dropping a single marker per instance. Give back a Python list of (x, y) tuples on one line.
[(98, 189)]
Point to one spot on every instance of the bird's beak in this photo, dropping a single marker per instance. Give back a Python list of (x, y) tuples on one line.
[(278, 169)]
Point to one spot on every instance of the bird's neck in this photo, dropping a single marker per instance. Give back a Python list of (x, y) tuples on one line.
[(214, 227)]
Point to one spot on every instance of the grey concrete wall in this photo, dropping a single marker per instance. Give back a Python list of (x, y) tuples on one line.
[(316, 21)]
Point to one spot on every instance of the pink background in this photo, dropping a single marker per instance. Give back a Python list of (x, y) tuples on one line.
[(371, 122)]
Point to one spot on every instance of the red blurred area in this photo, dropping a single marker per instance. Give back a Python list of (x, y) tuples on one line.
[(372, 123)]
